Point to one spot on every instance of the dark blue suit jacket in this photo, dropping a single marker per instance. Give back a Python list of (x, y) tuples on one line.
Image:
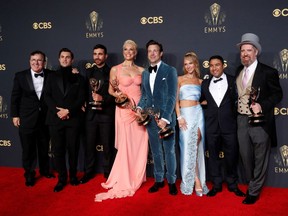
[(164, 94)]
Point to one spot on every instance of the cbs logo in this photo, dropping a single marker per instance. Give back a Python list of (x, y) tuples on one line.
[(280, 111), (206, 64), (42, 25), (278, 12), (151, 20), (2, 67), (5, 143)]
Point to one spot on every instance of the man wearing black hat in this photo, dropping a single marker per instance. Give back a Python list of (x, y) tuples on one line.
[(255, 134)]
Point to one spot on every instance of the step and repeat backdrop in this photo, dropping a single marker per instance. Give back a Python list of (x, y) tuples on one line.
[(205, 27)]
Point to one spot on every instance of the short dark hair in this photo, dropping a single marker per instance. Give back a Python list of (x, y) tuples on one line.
[(153, 42), (38, 52), (100, 46), (66, 50), (217, 57)]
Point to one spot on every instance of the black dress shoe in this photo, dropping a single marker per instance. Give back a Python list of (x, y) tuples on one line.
[(156, 187), (85, 179), (30, 182), (213, 192), (59, 187), (74, 181), (237, 192), (250, 199), (173, 189)]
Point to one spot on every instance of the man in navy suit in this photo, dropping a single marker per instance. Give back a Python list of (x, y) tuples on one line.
[(159, 87), (220, 126), (65, 95), (29, 110), (255, 140)]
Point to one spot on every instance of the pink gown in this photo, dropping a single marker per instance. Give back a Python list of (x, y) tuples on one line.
[(131, 141)]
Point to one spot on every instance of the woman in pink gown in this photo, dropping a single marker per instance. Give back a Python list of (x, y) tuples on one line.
[(131, 140)]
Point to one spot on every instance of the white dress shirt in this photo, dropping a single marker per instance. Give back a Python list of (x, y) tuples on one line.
[(152, 77), (38, 83), (251, 69), (218, 89)]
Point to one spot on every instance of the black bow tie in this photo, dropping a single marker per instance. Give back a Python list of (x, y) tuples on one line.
[(217, 80), (152, 68), (39, 74)]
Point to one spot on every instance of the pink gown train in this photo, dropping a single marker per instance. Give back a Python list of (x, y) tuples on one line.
[(131, 141)]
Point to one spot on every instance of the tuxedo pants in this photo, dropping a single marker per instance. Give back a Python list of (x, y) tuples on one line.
[(227, 143), (98, 133), (35, 142), (254, 146), (65, 138)]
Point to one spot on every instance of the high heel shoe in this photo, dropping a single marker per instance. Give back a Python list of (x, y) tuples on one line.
[(199, 192)]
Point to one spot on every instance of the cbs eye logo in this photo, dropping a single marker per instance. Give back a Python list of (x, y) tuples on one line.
[(151, 20), (42, 25), (278, 12), (280, 111)]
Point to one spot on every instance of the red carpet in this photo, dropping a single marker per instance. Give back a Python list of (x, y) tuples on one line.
[(17, 199)]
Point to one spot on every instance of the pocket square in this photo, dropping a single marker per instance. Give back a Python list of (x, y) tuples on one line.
[(164, 78)]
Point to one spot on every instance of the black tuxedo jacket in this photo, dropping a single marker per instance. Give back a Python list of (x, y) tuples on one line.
[(267, 79), (107, 114), (72, 98), (24, 101), (221, 118)]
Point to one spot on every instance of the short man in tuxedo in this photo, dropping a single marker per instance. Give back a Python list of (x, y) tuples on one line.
[(65, 95), (29, 110), (159, 87), (100, 120), (220, 126), (255, 140)]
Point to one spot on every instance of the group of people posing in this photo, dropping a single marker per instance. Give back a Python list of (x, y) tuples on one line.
[(127, 107)]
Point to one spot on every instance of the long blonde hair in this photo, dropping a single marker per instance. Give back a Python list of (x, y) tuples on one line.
[(195, 61)]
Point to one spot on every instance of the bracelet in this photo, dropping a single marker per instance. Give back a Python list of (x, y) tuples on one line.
[(180, 117)]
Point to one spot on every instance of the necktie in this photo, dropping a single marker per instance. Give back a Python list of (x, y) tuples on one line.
[(152, 68), (245, 78), (217, 80), (38, 74)]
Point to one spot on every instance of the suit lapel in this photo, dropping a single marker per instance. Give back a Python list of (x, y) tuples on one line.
[(208, 90), (60, 82), (159, 77), (30, 83), (29, 80), (257, 76), (227, 93)]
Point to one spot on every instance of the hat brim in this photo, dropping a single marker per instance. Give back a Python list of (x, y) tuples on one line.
[(256, 45)]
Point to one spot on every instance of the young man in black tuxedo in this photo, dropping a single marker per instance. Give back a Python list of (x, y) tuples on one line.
[(28, 111), (65, 95), (221, 127)]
